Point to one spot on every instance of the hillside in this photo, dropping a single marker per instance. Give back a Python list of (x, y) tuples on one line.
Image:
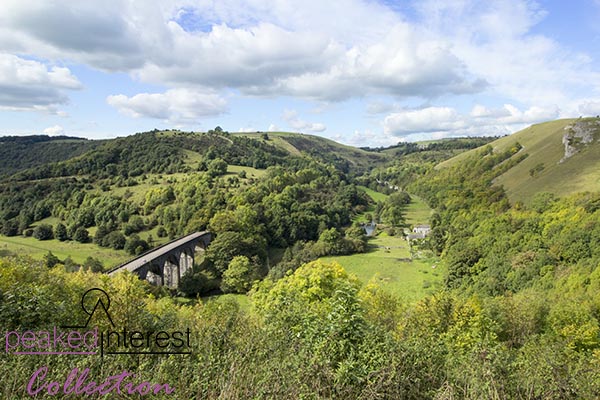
[(561, 158), (498, 299), (22, 152), (134, 192), (122, 196), (345, 157)]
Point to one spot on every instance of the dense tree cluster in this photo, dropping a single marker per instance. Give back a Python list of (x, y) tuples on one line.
[(23, 152)]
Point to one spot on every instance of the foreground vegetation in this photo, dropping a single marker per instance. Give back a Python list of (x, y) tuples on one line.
[(318, 334)]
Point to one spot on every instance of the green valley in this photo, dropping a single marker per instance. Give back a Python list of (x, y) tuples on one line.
[(480, 279)]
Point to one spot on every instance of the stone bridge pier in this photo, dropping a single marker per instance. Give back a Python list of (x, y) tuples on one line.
[(167, 264)]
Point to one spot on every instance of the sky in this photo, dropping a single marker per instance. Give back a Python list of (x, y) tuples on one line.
[(365, 73)]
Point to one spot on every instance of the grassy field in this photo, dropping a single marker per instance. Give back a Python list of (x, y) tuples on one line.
[(250, 172), (77, 251), (417, 211), (243, 300), (388, 261), (355, 155), (376, 196), (192, 158), (388, 264), (275, 138)]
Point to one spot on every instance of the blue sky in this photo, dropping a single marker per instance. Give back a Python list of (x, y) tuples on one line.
[(365, 73)]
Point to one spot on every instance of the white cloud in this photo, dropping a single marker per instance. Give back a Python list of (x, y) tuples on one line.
[(480, 111), (366, 51), (495, 42), (55, 130), (590, 107), (273, 128), (367, 138), (258, 48), (509, 114), (429, 119), (531, 115), (439, 122), (291, 117), (404, 63), (108, 36), (27, 85), (175, 105)]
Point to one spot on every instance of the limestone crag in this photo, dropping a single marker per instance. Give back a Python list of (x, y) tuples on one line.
[(579, 135)]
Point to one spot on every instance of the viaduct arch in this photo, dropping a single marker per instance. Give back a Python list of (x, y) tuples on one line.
[(166, 264)]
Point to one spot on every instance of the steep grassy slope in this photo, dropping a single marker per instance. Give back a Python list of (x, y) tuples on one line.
[(546, 169)]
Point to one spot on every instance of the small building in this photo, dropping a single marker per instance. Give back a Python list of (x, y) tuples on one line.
[(419, 232), (423, 229), (415, 236)]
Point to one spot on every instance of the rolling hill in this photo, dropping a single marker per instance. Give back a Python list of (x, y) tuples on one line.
[(562, 157), (342, 156), (22, 152)]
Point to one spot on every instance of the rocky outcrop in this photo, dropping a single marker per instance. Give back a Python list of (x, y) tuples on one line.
[(579, 135)]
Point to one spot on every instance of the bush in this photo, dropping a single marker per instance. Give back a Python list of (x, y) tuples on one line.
[(10, 228), (60, 232), (115, 240), (81, 235), (93, 264), (135, 245), (50, 260), (43, 232)]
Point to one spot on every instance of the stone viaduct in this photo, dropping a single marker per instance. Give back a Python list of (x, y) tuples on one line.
[(166, 264)]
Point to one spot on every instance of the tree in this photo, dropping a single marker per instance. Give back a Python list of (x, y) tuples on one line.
[(239, 275), (85, 217), (10, 227), (101, 233), (50, 260), (230, 244), (318, 302), (43, 232), (332, 242), (136, 224), (81, 235), (60, 232), (115, 240), (93, 264), (243, 219), (135, 245), (393, 215), (25, 219), (357, 238), (198, 281), (217, 167)]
